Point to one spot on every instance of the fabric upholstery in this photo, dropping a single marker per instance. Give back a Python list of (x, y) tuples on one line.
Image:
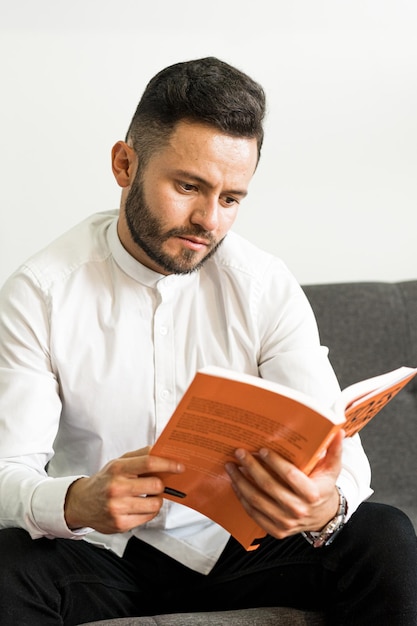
[(248, 617), (371, 328)]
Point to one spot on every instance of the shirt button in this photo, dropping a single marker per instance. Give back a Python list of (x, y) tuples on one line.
[(165, 394), (163, 330)]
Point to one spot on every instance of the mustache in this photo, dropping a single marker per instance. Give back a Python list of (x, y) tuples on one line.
[(194, 232)]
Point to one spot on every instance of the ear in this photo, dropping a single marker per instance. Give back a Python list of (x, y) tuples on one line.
[(124, 163)]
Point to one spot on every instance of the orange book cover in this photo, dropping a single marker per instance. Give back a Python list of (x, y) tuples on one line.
[(223, 410)]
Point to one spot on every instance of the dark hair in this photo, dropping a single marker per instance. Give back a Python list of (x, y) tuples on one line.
[(204, 90)]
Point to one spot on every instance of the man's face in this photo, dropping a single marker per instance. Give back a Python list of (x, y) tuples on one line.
[(181, 205)]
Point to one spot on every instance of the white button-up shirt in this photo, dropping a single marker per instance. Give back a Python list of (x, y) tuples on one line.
[(96, 350)]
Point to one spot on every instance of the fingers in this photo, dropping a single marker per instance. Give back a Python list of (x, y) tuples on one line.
[(125, 493), (140, 462), (124, 513), (273, 474), (265, 482), (280, 497), (328, 467), (139, 452), (332, 461), (268, 504)]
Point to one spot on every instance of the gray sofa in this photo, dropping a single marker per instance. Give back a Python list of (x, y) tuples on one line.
[(369, 328)]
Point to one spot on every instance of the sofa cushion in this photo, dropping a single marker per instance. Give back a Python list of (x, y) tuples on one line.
[(371, 328), (243, 617)]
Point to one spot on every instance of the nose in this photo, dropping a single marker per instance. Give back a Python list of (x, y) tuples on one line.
[(206, 214)]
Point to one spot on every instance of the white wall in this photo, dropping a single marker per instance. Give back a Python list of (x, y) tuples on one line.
[(335, 194)]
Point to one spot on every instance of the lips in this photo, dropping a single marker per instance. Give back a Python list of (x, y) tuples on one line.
[(196, 240), (194, 243)]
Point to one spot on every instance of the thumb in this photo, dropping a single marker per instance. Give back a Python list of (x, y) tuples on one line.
[(140, 452), (332, 460)]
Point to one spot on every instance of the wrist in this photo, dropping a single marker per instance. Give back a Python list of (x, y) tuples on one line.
[(72, 518), (327, 535)]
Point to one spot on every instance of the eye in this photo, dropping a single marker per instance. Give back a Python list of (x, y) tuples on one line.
[(229, 201), (187, 187)]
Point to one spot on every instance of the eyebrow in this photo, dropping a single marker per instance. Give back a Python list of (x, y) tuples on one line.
[(242, 193)]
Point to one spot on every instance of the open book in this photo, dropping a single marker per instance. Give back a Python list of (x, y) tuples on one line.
[(224, 410)]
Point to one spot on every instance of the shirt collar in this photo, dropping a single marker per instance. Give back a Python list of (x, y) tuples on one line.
[(137, 270)]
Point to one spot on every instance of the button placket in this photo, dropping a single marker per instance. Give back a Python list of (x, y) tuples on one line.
[(164, 355)]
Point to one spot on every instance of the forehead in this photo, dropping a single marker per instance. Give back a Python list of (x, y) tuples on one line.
[(201, 144)]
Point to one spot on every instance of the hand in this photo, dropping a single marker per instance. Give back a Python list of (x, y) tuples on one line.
[(124, 494), (281, 498)]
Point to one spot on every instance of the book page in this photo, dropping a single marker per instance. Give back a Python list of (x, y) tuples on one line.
[(360, 410)]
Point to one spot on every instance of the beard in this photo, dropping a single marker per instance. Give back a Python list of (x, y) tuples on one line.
[(147, 231)]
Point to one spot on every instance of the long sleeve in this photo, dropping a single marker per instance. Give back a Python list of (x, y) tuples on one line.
[(30, 415)]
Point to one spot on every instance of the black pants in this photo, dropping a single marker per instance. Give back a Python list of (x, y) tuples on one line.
[(367, 576)]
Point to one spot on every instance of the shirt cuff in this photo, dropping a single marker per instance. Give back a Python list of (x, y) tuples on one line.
[(47, 509), (353, 493)]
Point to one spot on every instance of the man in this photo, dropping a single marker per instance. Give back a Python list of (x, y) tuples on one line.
[(100, 335)]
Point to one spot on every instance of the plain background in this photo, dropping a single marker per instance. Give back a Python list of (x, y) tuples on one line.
[(335, 194)]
